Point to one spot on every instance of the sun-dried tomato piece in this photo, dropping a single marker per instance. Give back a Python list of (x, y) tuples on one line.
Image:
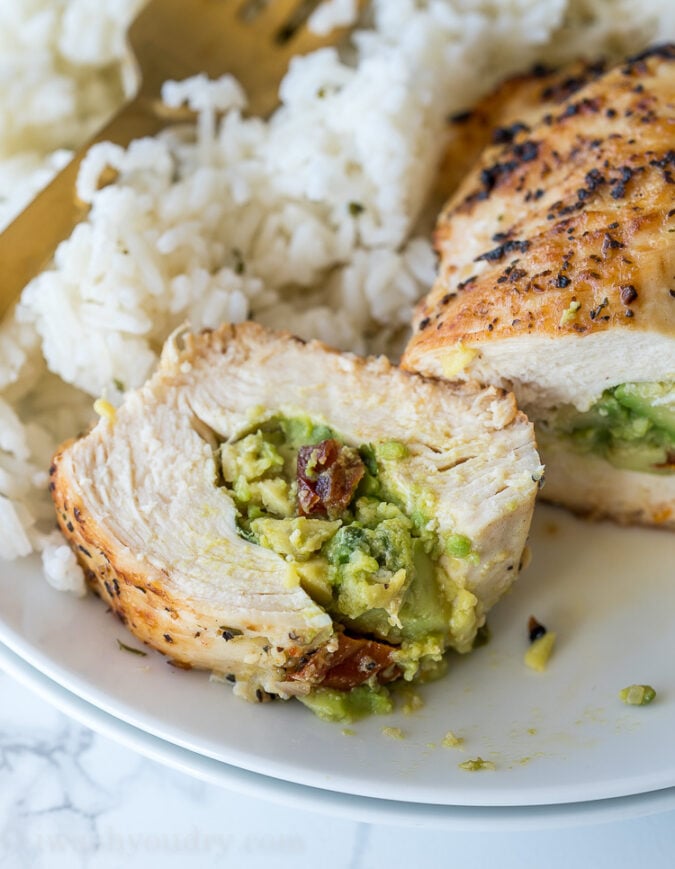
[(328, 475), (354, 662)]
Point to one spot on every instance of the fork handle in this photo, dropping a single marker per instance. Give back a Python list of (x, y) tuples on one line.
[(29, 242)]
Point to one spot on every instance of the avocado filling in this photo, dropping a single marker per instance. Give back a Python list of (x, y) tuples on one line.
[(632, 426), (333, 513)]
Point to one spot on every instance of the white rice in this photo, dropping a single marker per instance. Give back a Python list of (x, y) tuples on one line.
[(310, 221), (331, 14)]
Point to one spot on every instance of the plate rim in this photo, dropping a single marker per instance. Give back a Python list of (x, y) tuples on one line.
[(334, 803)]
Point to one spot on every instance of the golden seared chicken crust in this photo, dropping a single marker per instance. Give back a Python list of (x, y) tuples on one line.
[(514, 107), (577, 208)]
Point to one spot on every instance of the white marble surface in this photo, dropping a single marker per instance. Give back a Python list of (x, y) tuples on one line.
[(71, 798)]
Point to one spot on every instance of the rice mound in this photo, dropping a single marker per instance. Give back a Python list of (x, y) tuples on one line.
[(315, 220)]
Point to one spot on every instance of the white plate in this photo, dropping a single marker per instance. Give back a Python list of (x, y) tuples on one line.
[(363, 809), (558, 737)]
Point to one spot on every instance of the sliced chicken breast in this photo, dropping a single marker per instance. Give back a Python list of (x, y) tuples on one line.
[(557, 280), (295, 518)]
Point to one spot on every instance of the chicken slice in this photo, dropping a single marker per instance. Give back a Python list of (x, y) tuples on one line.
[(557, 280), (153, 506)]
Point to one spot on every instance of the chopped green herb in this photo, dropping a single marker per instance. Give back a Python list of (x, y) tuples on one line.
[(118, 384), (125, 648), (355, 208), (247, 534)]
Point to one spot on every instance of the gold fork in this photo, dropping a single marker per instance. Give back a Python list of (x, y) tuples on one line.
[(170, 39)]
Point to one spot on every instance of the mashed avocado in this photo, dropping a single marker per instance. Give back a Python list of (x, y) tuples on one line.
[(378, 571), (348, 706), (632, 426)]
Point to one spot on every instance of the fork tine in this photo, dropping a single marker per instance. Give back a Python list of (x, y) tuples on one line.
[(170, 39)]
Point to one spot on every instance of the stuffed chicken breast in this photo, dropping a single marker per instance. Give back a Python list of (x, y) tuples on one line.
[(557, 280), (300, 521)]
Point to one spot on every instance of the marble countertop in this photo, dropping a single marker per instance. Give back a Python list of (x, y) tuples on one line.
[(73, 798)]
